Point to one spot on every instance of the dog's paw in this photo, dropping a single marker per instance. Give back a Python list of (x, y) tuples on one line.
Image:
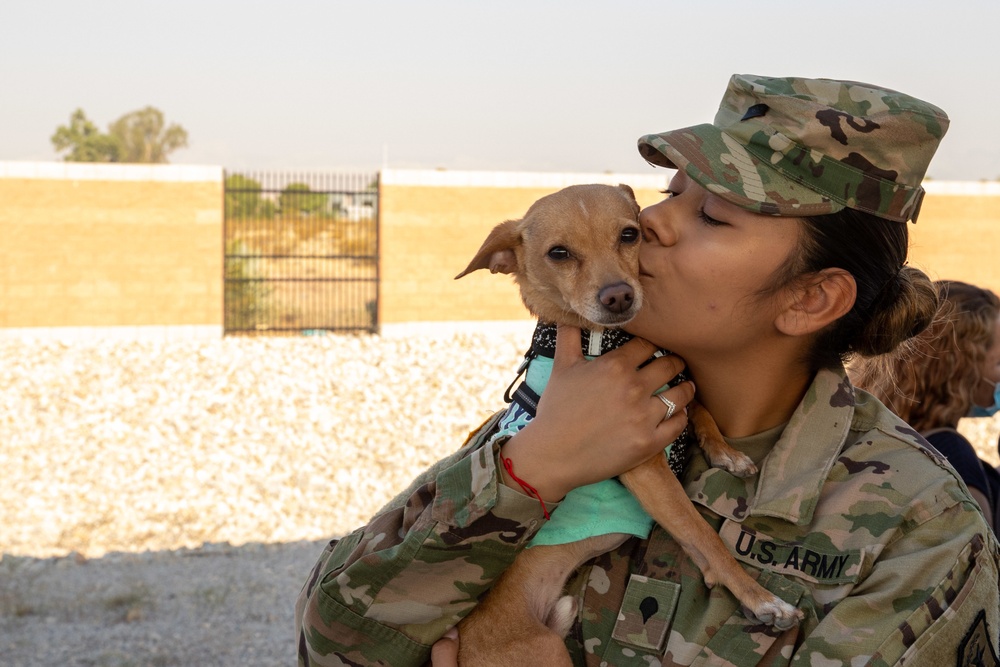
[(734, 462), (776, 613), (562, 615)]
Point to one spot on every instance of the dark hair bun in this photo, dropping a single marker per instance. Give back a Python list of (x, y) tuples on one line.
[(910, 308)]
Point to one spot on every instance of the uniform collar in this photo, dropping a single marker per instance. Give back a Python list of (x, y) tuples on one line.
[(793, 473)]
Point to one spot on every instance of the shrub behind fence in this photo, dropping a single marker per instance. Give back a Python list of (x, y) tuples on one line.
[(301, 252)]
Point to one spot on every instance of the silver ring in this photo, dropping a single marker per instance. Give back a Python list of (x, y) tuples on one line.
[(671, 406)]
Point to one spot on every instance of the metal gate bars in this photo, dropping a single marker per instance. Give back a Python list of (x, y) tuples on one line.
[(301, 252)]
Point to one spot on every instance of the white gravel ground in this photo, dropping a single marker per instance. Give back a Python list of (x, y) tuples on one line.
[(119, 462), (162, 502), (157, 445)]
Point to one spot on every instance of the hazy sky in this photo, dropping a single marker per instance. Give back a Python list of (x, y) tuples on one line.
[(511, 85)]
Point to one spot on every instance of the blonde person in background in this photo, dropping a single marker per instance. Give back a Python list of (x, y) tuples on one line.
[(950, 371)]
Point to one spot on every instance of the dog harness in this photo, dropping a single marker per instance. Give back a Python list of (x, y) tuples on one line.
[(596, 509)]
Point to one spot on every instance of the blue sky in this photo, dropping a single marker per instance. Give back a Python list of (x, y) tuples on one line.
[(513, 85)]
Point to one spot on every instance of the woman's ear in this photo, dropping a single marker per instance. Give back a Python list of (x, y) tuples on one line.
[(817, 301)]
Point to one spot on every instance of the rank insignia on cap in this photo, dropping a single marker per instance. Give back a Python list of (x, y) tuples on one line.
[(756, 111)]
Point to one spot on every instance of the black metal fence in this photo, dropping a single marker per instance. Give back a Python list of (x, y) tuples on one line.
[(301, 252)]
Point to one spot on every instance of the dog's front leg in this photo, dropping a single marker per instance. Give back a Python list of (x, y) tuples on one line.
[(524, 618), (661, 494)]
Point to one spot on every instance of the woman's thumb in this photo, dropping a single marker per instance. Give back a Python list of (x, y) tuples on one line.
[(568, 349)]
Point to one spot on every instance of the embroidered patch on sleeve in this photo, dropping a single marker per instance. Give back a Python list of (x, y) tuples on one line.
[(976, 648), (646, 612)]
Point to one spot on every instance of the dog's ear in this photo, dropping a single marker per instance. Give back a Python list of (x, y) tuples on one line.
[(497, 252), (630, 193)]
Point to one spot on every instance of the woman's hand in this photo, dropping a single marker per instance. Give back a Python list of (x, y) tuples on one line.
[(598, 418), (444, 653)]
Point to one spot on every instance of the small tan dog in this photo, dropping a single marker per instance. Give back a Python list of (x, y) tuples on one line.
[(575, 258)]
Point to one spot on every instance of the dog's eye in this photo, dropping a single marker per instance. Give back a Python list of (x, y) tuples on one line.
[(630, 235), (558, 253)]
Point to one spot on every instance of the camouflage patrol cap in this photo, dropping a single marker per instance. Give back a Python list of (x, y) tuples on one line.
[(804, 147)]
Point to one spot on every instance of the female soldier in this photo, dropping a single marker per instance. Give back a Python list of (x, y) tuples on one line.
[(778, 252)]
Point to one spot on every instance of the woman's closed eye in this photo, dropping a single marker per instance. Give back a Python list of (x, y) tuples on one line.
[(708, 220)]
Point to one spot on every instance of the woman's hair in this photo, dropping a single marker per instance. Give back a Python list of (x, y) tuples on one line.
[(894, 302), (930, 382)]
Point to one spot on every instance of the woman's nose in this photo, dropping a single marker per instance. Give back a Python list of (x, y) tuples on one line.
[(655, 223)]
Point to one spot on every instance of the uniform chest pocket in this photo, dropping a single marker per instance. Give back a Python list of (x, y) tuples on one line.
[(743, 641), (647, 613)]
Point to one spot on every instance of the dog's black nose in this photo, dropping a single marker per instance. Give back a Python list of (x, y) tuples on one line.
[(617, 298)]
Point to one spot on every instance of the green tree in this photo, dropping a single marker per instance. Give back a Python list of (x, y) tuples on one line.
[(145, 138), (243, 199), (299, 199), (85, 142), (139, 136)]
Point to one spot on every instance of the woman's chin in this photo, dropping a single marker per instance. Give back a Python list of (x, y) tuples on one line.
[(657, 333), (633, 327), (639, 326)]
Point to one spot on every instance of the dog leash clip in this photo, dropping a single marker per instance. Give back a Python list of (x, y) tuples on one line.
[(528, 356)]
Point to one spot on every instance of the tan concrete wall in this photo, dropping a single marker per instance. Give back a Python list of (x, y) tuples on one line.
[(957, 236), (110, 245), (141, 246), (432, 223)]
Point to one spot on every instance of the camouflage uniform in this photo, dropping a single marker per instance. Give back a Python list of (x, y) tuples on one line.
[(852, 518)]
